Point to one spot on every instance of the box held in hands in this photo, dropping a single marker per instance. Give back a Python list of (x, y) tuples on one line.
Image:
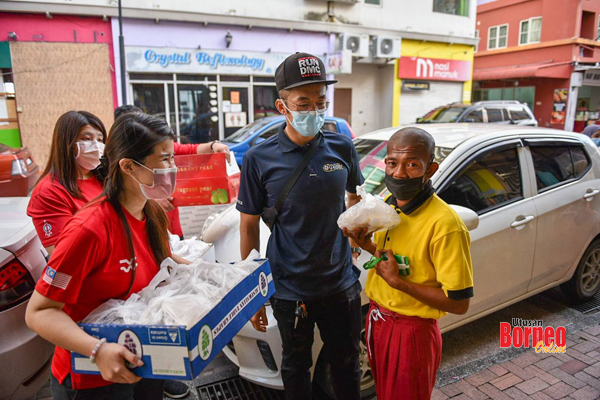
[(174, 352), (206, 179)]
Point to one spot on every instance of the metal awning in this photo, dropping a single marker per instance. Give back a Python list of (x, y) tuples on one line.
[(550, 70)]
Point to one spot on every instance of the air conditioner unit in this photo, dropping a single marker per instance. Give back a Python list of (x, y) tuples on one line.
[(357, 45), (386, 46)]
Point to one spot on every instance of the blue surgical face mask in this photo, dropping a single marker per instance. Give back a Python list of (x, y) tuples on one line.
[(307, 125)]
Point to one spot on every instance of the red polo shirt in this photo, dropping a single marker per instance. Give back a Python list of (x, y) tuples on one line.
[(90, 265), (51, 205)]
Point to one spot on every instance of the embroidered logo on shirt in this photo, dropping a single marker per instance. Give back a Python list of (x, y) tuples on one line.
[(57, 279), (129, 264), (47, 229), (333, 167)]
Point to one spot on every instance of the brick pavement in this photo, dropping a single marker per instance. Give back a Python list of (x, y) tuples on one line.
[(574, 375)]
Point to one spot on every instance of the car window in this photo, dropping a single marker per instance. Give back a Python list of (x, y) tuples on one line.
[(330, 126), (494, 114), (372, 153), (505, 116), (556, 164), (518, 113), (580, 161), (474, 116), (449, 114), (270, 132), (244, 133), (486, 182)]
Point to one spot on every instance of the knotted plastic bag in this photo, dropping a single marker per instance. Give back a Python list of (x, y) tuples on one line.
[(190, 249), (369, 212)]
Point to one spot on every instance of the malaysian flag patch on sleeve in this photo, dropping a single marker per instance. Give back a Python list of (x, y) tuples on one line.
[(54, 278)]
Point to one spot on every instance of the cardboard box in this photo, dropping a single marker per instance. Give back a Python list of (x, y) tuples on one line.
[(174, 352), (206, 179)]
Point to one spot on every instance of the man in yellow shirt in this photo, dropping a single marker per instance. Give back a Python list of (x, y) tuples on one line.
[(403, 337)]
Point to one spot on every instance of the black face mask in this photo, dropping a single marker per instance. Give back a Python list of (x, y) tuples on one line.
[(404, 189)]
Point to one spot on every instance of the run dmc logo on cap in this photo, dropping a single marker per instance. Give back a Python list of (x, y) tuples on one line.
[(309, 66), (301, 69)]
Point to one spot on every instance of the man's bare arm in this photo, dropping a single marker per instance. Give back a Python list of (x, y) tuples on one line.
[(432, 296)]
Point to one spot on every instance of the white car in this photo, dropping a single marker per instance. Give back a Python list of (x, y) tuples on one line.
[(530, 197), (24, 356)]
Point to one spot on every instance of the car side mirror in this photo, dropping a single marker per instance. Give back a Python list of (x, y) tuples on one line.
[(258, 140), (469, 120), (469, 217)]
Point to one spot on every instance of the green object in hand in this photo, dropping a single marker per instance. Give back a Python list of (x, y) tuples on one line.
[(401, 260)]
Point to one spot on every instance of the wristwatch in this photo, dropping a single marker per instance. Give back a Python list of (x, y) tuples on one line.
[(212, 144), (356, 250)]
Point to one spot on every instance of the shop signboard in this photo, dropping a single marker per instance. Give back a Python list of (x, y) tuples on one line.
[(415, 85), (434, 69), (559, 110), (591, 77), (176, 60)]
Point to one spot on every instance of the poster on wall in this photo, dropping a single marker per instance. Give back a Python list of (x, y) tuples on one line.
[(339, 63), (235, 97), (235, 119), (559, 107)]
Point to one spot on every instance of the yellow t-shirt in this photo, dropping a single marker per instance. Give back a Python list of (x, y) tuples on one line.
[(437, 244)]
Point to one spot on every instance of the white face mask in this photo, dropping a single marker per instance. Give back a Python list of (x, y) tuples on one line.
[(89, 153)]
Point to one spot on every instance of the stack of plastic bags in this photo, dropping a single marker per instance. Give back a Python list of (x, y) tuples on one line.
[(179, 294)]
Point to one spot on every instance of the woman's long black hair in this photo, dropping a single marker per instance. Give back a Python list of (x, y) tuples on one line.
[(134, 136), (61, 163)]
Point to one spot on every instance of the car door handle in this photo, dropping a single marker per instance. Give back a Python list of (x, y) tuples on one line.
[(522, 222), (589, 196)]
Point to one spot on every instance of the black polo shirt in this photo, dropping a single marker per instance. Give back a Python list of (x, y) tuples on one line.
[(309, 256)]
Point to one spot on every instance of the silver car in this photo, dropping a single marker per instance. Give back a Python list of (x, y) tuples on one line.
[(24, 356), (529, 196)]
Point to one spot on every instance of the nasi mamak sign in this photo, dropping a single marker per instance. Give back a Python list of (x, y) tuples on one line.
[(434, 69)]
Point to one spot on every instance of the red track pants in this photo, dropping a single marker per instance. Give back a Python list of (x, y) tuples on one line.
[(404, 353)]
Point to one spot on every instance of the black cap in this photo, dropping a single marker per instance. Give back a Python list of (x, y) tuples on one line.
[(300, 69)]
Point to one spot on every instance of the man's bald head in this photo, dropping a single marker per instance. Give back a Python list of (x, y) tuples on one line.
[(416, 138)]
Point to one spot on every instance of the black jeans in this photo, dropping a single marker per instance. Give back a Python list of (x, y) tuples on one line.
[(146, 389), (339, 320)]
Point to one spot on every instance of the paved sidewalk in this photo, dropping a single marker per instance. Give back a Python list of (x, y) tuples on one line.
[(574, 375)]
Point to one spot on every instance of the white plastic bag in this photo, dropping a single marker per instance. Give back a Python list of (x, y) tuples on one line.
[(179, 294), (189, 249), (370, 212)]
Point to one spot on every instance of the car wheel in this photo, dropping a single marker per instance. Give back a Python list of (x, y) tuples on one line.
[(585, 283), (323, 388)]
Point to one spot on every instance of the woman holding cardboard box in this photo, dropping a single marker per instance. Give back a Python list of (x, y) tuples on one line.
[(111, 248)]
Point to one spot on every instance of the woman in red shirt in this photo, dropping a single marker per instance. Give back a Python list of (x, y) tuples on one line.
[(111, 248), (70, 179)]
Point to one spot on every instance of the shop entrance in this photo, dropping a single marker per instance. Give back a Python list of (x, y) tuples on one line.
[(202, 108)]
